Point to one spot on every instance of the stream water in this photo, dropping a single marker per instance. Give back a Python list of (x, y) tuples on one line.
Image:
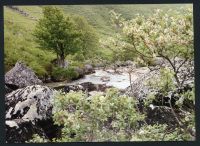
[(109, 77)]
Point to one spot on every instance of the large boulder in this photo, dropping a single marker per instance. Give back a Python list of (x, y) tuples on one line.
[(21, 76), (27, 110)]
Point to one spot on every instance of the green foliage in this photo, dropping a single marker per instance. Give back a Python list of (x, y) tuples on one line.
[(162, 34), (165, 82), (37, 139), (57, 33), (159, 133), (89, 37), (60, 74), (119, 48), (111, 117), (187, 99)]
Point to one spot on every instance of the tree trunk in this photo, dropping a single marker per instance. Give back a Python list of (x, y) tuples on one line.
[(61, 60)]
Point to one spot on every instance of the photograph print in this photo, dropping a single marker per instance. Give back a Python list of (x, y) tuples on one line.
[(99, 73)]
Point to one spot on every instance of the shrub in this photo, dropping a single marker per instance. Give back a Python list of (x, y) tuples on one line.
[(159, 133), (37, 139), (112, 117), (60, 74)]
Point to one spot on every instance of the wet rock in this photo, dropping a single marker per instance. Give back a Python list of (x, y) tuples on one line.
[(86, 86), (72, 88), (21, 76), (80, 71), (88, 69), (129, 63), (26, 109), (160, 115), (105, 79)]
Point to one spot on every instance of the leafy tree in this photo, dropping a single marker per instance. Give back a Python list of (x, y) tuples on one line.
[(168, 35), (57, 33), (89, 39)]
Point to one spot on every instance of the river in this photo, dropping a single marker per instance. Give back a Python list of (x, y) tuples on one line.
[(108, 77)]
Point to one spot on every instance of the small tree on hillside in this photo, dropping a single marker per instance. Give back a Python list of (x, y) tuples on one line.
[(58, 33)]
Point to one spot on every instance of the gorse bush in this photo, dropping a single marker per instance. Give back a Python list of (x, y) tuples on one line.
[(112, 117)]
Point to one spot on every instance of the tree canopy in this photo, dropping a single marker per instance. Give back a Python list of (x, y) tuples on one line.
[(57, 33)]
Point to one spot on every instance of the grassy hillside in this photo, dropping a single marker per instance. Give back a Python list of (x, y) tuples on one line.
[(19, 42), (98, 15)]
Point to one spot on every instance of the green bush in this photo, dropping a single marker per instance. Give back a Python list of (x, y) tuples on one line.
[(112, 117), (60, 74), (159, 133)]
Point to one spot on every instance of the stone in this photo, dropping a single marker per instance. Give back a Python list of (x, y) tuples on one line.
[(139, 88), (130, 63), (159, 61), (26, 110), (105, 79), (21, 76), (88, 69), (80, 71)]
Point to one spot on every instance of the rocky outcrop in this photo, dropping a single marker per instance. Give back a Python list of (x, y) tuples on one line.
[(26, 110), (21, 76)]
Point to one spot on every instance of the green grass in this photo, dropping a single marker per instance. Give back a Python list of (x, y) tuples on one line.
[(20, 45), (98, 15)]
